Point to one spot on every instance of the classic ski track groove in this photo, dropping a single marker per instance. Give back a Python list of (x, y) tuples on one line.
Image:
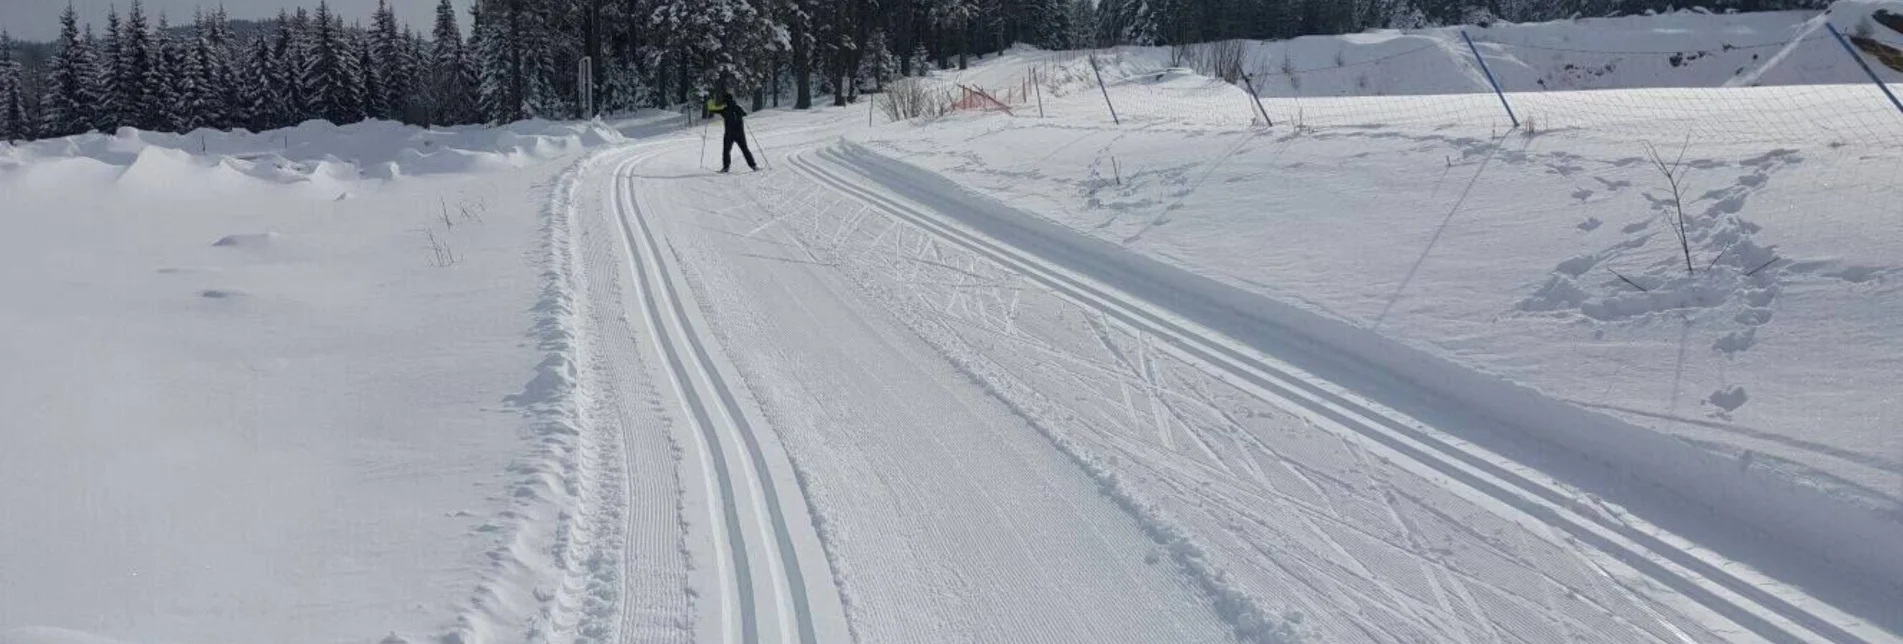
[(722, 423), (1706, 582)]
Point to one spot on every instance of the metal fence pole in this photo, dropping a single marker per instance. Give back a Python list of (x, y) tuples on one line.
[(1106, 90), (1874, 78), (1490, 78), (1246, 82)]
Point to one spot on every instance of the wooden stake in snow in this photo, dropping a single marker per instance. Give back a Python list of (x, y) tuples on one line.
[(1106, 90)]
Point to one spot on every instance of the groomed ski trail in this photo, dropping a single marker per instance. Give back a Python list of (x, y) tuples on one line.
[(1089, 275), (760, 571), (851, 465)]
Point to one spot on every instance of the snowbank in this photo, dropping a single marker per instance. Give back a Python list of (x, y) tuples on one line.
[(52, 636), (1431, 76), (267, 381), (318, 150)]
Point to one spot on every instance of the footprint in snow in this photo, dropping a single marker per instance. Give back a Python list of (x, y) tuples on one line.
[(1728, 399)]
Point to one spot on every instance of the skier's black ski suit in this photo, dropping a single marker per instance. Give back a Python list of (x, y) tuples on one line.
[(736, 126)]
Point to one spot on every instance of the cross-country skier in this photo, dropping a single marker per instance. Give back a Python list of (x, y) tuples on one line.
[(736, 126)]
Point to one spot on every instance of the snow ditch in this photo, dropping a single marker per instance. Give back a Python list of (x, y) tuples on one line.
[(1447, 395)]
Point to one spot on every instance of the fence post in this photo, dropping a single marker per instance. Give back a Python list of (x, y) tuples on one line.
[(1106, 90), (1246, 82), (1874, 78), (1490, 79), (1037, 85)]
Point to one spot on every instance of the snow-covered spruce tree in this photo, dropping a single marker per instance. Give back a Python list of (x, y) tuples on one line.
[(68, 105), (137, 55), (228, 84), (297, 59), (14, 123), (159, 112), (1045, 24), (263, 109), (723, 40), (284, 73), (331, 74), (191, 85), (922, 59), (388, 83), (515, 55), (496, 99), (371, 75), (106, 72), (1082, 24), (413, 56), (879, 65), (451, 86), (1125, 22)]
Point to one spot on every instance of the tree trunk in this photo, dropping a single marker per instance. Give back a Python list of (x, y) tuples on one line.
[(964, 46), (802, 73), (680, 59)]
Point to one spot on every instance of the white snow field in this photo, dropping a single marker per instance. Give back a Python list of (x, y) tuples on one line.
[(1369, 377)]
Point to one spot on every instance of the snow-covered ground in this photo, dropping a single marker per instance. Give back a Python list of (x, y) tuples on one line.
[(1389, 371), (1517, 270), (265, 394)]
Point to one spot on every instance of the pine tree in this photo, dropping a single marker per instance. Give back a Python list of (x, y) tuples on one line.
[(331, 74), (451, 92), (371, 75), (492, 63), (1083, 17), (263, 107), (297, 59), (14, 123), (880, 65), (69, 102), (137, 56), (389, 84), (282, 74), (228, 91), (159, 111), (191, 82), (106, 73)]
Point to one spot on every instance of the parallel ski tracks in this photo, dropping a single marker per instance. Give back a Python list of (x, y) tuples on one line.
[(1765, 613), (762, 590)]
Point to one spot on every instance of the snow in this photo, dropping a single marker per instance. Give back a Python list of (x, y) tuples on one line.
[(241, 410), (1534, 277), (1390, 370)]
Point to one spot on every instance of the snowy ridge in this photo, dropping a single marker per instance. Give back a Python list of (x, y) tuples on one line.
[(1678, 50), (318, 151), (566, 547), (1744, 597)]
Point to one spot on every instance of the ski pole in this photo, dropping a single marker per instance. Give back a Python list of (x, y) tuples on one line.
[(703, 144), (764, 157)]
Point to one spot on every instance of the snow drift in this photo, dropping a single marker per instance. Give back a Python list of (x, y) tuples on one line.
[(319, 150)]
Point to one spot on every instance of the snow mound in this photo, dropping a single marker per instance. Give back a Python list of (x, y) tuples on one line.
[(1687, 49), (317, 150), (255, 240), (42, 635)]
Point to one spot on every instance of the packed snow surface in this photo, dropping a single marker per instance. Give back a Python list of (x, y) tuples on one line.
[(1389, 370)]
